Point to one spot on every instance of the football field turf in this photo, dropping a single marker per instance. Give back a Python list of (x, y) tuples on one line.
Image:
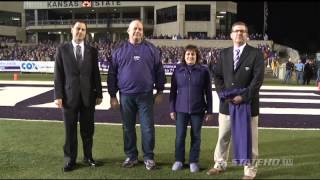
[(33, 149)]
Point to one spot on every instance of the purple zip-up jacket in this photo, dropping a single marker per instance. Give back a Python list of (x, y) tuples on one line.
[(135, 69), (191, 90)]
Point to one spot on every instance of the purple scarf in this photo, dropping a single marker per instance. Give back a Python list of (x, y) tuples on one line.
[(240, 127)]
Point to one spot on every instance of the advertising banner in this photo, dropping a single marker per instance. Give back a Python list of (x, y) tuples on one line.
[(169, 68), (9, 66), (37, 66), (48, 66)]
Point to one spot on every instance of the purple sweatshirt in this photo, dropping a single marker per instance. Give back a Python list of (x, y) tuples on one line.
[(135, 69)]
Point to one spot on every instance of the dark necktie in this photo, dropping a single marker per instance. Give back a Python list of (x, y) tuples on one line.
[(78, 54), (236, 59)]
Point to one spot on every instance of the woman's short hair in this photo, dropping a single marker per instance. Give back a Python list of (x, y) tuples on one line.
[(191, 48)]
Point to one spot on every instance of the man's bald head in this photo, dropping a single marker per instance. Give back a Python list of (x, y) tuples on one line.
[(135, 31)]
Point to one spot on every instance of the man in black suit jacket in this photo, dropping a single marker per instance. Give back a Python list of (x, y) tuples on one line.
[(240, 66), (77, 89)]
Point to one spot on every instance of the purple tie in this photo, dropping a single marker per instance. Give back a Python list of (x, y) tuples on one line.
[(236, 59)]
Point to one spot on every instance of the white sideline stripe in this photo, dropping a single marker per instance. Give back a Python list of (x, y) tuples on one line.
[(171, 126), (281, 111), (284, 87), (274, 93), (168, 91), (289, 111), (167, 85), (28, 82), (33, 82), (282, 100), (12, 95), (288, 93), (105, 105), (18, 94), (290, 88)]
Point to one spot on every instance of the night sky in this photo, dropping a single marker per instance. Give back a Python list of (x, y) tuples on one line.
[(295, 24)]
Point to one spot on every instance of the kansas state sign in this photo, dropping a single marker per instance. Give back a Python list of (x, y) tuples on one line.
[(83, 4)]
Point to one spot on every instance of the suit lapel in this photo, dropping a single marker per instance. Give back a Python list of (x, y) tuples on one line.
[(70, 51), (229, 60), (86, 55), (86, 52)]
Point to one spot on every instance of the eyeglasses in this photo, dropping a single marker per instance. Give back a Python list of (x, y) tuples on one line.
[(240, 31)]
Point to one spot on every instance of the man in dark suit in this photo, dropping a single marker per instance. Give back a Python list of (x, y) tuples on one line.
[(239, 67), (77, 89)]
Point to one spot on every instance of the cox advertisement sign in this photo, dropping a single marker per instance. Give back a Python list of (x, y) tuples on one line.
[(29, 67), (37, 66)]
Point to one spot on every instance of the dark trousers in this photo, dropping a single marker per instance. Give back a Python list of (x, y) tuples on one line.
[(306, 79), (287, 76), (132, 105), (182, 122), (85, 116)]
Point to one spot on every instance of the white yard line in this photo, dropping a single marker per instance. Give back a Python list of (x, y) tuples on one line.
[(284, 87), (291, 100), (295, 111), (288, 93)]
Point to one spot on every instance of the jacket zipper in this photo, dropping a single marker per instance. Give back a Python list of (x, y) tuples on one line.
[(189, 91)]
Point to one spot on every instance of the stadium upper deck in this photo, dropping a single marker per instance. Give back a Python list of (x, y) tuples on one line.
[(109, 19)]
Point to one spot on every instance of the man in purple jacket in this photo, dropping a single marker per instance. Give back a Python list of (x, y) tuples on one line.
[(135, 71)]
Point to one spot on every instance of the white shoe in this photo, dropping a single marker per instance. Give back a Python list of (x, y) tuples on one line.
[(177, 166), (150, 164), (128, 163), (194, 167)]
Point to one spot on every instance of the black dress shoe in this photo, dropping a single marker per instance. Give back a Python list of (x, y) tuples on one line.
[(90, 162), (69, 167)]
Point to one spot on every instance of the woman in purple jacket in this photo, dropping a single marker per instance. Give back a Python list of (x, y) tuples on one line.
[(190, 100)]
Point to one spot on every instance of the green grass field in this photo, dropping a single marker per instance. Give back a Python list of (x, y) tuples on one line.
[(27, 76), (49, 77), (31, 150)]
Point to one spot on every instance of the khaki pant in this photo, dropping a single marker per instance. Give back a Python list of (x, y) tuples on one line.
[(222, 148)]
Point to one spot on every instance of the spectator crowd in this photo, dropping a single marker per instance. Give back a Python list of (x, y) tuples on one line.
[(256, 36), (45, 51)]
